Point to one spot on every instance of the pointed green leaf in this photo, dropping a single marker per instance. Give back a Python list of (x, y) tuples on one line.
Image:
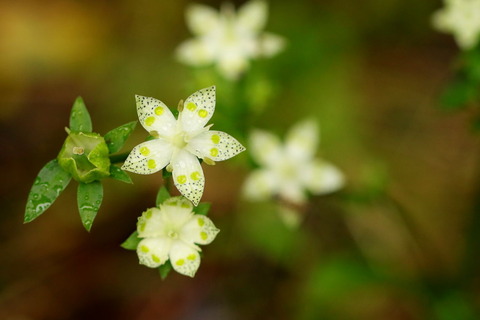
[(118, 174), (49, 184), (202, 208), (89, 199), (162, 195), (165, 269), (79, 117), (132, 242), (116, 138)]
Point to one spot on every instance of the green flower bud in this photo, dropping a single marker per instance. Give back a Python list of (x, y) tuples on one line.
[(85, 156)]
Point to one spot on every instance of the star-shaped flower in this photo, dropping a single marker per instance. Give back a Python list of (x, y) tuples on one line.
[(287, 170), (178, 142), (227, 38), (173, 231), (462, 19)]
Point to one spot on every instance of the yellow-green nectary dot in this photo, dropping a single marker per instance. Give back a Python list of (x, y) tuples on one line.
[(180, 262), (185, 205), (181, 179), (158, 111), (203, 235), (214, 152), (191, 106), (200, 222), (155, 258), (144, 151), (144, 249), (192, 257), (202, 113), (195, 175), (149, 121), (215, 138), (148, 214), (151, 164)]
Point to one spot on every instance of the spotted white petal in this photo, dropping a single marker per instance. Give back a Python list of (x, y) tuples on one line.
[(323, 177), (271, 44), (199, 229), (153, 252), (302, 140), (184, 259), (265, 147), (188, 176), (177, 211), (149, 157), (198, 109), (195, 52), (155, 116), (151, 224), (201, 19), (253, 15), (216, 145), (260, 185)]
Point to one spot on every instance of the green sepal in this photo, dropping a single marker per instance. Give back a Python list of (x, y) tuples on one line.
[(49, 184), (132, 242), (149, 138), (116, 138), (79, 117), (166, 174), (162, 195), (165, 269), (89, 199), (202, 208), (120, 175), (92, 164)]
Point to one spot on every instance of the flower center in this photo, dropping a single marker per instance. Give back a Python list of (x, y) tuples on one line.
[(173, 234), (179, 140), (288, 170), (78, 150)]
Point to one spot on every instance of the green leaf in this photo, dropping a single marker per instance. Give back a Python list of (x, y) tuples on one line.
[(48, 185), (89, 199), (118, 174), (132, 242), (116, 138), (202, 208), (162, 195), (166, 174), (165, 269), (79, 117), (458, 94)]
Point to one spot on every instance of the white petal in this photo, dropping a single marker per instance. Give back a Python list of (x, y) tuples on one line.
[(302, 140), (199, 229), (260, 185), (253, 15), (178, 211), (265, 147), (188, 176), (271, 44), (292, 191), (323, 177), (153, 252), (231, 66), (201, 19), (151, 224), (184, 259), (198, 109), (216, 145), (149, 157), (154, 115), (195, 52)]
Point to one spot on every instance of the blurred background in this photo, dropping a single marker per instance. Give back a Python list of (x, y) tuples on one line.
[(399, 242)]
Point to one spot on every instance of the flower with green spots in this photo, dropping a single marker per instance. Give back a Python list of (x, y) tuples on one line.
[(462, 19), (178, 142), (287, 170), (173, 232), (227, 38)]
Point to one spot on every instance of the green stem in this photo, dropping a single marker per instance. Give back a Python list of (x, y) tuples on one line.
[(119, 158)]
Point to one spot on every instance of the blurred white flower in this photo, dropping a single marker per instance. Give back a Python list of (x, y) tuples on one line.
[(462, 19), (289, 170), (227, 38), (178, 143), (173, 232)]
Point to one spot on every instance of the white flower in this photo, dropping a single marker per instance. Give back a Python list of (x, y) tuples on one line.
[(287, 170), (178, 143), (462, 19), (228, 39), (172, 232)]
